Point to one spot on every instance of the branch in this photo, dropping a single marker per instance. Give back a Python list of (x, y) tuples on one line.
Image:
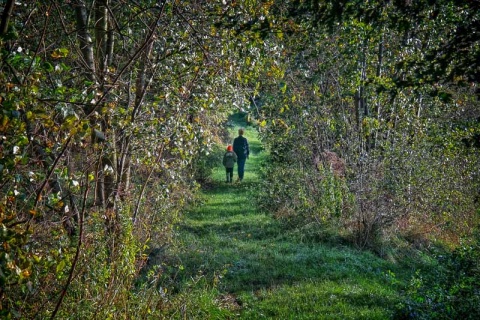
[(77, 254), (130, 62), (44, 31), (144, 186), (54, 165)]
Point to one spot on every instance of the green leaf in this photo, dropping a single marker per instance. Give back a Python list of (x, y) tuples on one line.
[(48, 67), (60, 266)]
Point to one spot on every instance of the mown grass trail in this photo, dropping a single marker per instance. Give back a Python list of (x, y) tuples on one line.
[(240, 263)]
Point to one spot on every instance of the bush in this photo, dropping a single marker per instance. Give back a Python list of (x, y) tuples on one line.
[(203, 166), (299, 194), (450, 291)]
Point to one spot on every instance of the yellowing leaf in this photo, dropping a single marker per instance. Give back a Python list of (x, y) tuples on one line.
[(25, 274), (59, 53)]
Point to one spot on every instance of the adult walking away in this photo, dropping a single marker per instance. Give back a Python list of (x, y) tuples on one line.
[(240, 147)]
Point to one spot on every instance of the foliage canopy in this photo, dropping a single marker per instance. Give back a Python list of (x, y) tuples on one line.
[(110, 109)]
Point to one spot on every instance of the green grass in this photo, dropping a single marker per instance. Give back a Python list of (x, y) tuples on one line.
[(237, 262)]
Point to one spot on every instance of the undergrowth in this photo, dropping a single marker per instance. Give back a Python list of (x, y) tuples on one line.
[(232, 260)]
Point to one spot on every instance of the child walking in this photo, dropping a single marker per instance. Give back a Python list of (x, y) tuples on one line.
[(229, 159)]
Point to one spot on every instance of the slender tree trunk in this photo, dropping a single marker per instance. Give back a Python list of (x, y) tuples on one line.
[(141, 86), (101, 25), (7, 13), (106, 168), (379, 74), (110, 42), (361, 107), (108, 161), (85, 39), (88, 60)]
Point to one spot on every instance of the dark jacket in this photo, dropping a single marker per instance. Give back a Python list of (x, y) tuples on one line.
[(229, 159), (240, 147)]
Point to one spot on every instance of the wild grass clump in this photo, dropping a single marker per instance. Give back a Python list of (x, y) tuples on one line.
[(199, 299)]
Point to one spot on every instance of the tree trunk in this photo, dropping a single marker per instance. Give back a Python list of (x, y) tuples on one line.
[(101, 25), (379, 74), (7, 13), (141, 85), (85, 39)]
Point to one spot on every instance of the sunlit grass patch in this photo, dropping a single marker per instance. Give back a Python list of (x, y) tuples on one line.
[(348, 299)]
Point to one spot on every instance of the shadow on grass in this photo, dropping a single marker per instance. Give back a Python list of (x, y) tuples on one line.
[(237, 225), (255, 257), (256, 252)]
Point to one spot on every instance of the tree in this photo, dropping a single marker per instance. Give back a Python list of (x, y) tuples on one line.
[(106, 105), (448, 31), (394, 123)]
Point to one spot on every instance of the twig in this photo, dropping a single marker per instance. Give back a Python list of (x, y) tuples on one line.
[(137, 205), (77, 254)]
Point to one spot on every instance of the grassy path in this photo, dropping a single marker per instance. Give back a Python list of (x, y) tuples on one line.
[(242, 264)]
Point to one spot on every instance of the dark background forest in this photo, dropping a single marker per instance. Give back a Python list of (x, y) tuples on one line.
[(114, 113)]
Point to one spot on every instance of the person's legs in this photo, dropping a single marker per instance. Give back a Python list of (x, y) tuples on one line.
[(229, 174), (241, 168)]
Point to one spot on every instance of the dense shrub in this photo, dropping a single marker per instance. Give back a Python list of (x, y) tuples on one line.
[(299, 194), (204, 163), (408, 168), (451, 290)]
